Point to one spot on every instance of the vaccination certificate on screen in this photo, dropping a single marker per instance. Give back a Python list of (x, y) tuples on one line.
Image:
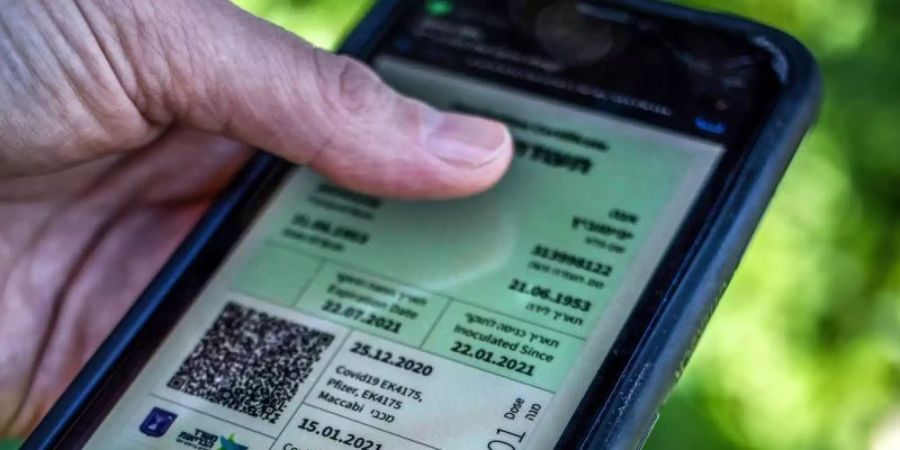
[(343, 321)]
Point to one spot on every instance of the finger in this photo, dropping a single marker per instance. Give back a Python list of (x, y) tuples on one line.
[(211, 66), (57, 321)]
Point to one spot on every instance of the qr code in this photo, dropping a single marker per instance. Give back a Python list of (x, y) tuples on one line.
[(251, 362)]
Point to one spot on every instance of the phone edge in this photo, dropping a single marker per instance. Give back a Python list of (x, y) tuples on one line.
[(668, 344)]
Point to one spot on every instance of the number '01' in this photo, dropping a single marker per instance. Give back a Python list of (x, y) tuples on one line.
[(497, 444)]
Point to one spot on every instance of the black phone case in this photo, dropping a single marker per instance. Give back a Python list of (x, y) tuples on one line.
[(629, 416), (626, 418)]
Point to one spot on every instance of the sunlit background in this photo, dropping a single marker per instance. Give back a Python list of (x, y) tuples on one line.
[(804, 351)]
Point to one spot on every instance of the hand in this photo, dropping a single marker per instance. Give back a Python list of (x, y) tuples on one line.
[(119, 122)]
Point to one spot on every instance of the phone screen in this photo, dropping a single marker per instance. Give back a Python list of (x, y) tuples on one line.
[(346, 321)]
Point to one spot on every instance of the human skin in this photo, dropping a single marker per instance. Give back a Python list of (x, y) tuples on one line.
[(120, 120)]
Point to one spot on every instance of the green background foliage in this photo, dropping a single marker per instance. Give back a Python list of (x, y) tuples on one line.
[(804, 351)]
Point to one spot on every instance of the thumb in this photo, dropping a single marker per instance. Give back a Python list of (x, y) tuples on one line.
[(208, 65)]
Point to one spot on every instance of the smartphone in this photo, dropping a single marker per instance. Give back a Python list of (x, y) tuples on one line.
[(555, 310)]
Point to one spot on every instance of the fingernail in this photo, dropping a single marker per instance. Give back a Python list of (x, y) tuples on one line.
[(463, 140)]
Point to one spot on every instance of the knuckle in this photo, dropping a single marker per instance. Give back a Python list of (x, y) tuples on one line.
[(350, 87)]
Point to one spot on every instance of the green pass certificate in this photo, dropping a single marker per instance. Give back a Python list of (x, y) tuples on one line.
[(347, 321)]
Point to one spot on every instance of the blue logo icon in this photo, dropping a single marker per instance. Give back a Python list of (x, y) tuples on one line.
[(157, 422), (229, 443), (710, 126)]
